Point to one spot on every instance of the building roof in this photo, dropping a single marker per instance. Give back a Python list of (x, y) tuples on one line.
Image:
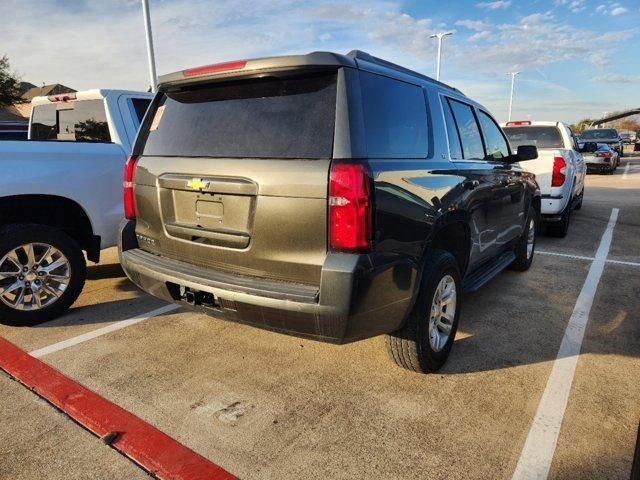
[(45, 90), (24, 87)]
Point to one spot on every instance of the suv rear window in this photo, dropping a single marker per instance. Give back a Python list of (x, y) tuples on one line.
[(541, 137), (257, 118), (79, 121)]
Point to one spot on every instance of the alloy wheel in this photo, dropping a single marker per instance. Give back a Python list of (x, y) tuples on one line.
[(33, 276), (443, 313)]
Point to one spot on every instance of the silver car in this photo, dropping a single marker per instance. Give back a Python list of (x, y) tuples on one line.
[(600, 157)]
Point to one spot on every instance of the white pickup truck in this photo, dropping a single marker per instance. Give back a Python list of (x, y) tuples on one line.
[(559, 169), (60, 195)]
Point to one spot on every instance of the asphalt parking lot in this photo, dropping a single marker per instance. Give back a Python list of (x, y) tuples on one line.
[(265, 406)]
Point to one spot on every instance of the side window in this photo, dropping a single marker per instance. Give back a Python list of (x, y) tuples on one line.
[(455, 148), (140, 106), (497, 147), (395, 117), (472, 148)]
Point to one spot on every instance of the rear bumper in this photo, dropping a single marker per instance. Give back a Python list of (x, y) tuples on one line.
[(353, 301), (598, 166)]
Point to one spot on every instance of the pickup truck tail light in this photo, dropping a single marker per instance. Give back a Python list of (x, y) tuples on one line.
[(559, 170), (129, 173), (350, 208)]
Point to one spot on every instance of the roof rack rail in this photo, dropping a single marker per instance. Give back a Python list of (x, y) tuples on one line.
[(359, 54)]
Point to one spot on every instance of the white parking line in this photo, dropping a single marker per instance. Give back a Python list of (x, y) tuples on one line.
[(566, 255), (581, 257), (626, 170), (56, 347), (540, 445)]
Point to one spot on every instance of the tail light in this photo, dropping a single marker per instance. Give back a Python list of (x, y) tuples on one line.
[(559, 170), (129, 173), (350, 208), (216, 67)]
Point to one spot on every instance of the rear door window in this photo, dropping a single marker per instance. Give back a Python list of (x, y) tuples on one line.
[(455, 147), (257, 118), (395, 117), (472, 147), (497, 148), (139, 106), (79, 121)]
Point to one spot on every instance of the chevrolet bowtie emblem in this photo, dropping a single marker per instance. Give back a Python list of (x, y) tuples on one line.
[(197, 184)]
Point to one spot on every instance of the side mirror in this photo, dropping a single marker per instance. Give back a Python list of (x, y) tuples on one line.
[(526, 152)]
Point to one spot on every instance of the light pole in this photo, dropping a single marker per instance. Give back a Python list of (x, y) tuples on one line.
[(439, 36), (513, 84), (152, 58)]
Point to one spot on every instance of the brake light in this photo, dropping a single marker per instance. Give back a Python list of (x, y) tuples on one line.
[(62, 97), (216, 67), (518, 123), (129, 173), (350, 208), (559, 170)]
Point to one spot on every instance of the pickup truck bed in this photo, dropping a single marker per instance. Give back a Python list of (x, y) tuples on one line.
[(60, 195)]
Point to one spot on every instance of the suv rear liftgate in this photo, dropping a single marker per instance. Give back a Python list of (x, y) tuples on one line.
[(231, 194)]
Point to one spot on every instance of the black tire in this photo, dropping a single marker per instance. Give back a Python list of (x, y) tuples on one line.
[(13, 236), (580, 199), (561, 228), (410, 347), (523, 261)]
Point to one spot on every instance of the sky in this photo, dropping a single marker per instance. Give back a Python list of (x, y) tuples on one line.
[(577, 58)]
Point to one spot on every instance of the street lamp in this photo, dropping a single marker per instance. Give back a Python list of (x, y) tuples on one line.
[(439, 36), (513, 84), (151, 56)]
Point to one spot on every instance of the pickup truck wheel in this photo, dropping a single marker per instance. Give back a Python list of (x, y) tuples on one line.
[(580, 199), (42, 272), (424, 342), (526, 246)]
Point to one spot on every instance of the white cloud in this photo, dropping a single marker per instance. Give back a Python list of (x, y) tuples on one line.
[(618, 78), (496, 5), (477, 25), (618, 11), (601, 8)]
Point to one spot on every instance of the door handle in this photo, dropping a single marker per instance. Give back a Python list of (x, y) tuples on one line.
[(471, 184)]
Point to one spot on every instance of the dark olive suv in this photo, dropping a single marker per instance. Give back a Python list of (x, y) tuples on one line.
[(337, 197)]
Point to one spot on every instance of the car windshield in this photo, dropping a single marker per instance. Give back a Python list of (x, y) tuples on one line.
[(541, 137), (599, 133)]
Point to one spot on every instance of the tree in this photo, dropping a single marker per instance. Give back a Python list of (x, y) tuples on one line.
[(630, 124), (9, 84), (581, 125)]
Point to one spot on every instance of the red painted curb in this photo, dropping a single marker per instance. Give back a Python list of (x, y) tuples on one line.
[(153, 450)]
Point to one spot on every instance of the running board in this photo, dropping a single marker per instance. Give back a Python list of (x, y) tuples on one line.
[(480, 277)]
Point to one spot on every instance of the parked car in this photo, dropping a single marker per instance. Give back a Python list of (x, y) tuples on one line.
[(602, 135), (60, 194), (560, 170), (628, 137), (10, 130), (336, 197), (600, 157)]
